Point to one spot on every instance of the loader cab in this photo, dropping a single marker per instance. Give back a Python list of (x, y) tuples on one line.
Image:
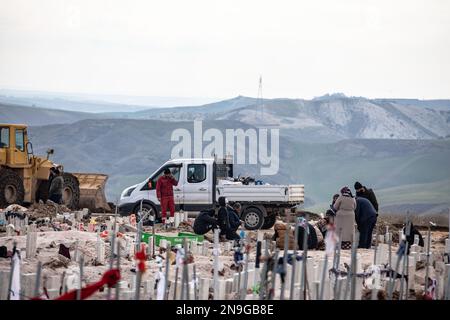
[(13, 145)]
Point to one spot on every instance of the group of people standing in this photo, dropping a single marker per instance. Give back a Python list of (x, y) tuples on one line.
[(346, 210)]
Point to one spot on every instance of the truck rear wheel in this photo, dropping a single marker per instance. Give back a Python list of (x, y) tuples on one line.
[(269, 221), (71, 191), (253, 218), (11, 188)]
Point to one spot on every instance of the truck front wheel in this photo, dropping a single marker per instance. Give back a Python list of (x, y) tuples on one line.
[(149, 213), (253, 218)]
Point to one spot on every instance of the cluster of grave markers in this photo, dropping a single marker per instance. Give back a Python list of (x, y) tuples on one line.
[(304, 277)]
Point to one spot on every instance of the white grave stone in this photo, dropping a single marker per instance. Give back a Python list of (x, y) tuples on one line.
[(31, 244), (177, 219), (148, 289), (204, 284), (100, 251), (4, 283), (27, 283)]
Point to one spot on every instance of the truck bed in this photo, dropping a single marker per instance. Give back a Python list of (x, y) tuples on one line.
[(291, 194)]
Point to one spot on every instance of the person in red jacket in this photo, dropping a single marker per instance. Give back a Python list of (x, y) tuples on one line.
[(164, 192)]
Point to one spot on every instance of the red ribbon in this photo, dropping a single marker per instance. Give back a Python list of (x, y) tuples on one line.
[(141, 257), (110, 278)]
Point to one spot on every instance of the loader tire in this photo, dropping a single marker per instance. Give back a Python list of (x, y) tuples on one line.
[(12, 190), (269, 221), (71, 191)]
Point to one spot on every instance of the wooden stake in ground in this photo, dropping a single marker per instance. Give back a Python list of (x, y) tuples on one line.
[(274, 275), (247, 254), (176, 281), (427, 272), (375, 248), (139, 229), (304, 224), (113, 240), (216, 264), (257, 262), (285, 255), (11, 273), (294, 261), (263, 282), (336, 263), (118, 268), (80, 286), (38, 279), (185, 277), (322, 279), (405, 259), (166, 284), (389, 236), (153, 217), (353, 266), (195, 283)]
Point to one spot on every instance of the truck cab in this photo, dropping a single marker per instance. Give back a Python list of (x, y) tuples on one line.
[(201, 181)]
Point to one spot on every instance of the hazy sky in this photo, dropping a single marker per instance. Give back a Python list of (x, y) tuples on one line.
[(218, 49)]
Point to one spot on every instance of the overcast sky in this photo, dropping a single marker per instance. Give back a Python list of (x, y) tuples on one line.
[(218, 49)]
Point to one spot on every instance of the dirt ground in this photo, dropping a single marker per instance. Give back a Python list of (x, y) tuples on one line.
[(48, 242)]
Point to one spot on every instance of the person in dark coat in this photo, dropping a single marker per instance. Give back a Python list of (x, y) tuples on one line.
[(227, 220), (366, 218), (205, 222), (364, 192)]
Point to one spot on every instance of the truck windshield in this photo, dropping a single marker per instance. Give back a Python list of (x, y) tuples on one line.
[(4, 137)]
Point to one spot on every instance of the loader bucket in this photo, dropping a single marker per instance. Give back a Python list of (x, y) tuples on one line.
[(92, 191)]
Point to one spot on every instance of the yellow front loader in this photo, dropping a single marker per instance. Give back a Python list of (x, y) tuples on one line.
[(25, 178)]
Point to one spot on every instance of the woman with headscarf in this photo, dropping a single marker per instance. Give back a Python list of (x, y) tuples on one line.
[(345, 206)]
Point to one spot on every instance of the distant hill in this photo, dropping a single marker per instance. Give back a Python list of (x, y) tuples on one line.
[(130, 150), (327, 118), (94, 102), (323, 119), (34, 116), (68, 104)]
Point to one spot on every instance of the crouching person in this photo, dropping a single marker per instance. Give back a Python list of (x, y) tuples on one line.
[(228, 219), (366, 218), (205, 222)]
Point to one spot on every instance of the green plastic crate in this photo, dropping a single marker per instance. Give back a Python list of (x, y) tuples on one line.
[(198, 238), (174, 240)]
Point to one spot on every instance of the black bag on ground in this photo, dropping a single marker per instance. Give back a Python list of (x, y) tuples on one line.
[(312, 241)]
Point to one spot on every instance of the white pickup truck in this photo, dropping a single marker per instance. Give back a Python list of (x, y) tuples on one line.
[(202, 181)]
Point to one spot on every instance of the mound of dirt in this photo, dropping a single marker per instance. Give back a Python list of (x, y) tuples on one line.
[(43, 210)]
